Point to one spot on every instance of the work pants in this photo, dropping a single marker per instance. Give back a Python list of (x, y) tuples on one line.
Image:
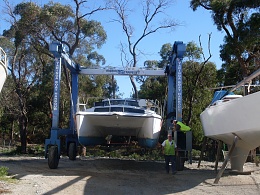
[(168, 159)]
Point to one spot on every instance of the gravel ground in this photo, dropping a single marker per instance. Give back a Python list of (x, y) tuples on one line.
[(88, 175)]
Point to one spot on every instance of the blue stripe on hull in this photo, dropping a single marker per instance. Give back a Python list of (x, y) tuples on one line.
[(91, 141), (149, 143)]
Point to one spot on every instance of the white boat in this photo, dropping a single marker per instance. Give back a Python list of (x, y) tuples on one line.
[(3, 68), (119, 117), (234, 115)]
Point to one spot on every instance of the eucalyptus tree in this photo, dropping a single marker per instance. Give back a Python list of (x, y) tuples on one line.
[(155, 87), (199, 75), (80, 37), (151, 11), (31, 30), (24, 66), (240, 20), (149, 83), (9, 110)]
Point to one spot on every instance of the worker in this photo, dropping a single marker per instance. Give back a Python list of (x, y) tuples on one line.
[(179, 126), (169, 149)]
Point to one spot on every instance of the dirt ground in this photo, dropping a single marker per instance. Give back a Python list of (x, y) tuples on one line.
[(88, 175)]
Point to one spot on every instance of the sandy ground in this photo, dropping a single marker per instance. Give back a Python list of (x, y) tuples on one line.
[(115, 176)]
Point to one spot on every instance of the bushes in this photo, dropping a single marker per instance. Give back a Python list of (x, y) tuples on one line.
[(3, 171)]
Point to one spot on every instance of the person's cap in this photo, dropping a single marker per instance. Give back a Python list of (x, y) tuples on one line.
[(169, 134)]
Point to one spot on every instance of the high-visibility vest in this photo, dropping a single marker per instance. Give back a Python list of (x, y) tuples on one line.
[(169, 149), (183, 127)]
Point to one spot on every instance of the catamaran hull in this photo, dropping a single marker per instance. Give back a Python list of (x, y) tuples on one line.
[(238, 117), (92, 129)]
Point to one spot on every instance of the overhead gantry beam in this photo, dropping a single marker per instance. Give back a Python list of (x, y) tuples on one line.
[(123, 71)]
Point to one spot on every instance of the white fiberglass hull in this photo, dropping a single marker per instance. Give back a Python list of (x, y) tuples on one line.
[(238, 117), (3, 68), (92, 125)]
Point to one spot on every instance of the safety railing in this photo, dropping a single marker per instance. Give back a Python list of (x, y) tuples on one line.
[(3, 59)]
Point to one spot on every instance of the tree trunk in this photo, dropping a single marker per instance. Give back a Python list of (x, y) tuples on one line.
[(134, 86), (23, 134), (11, 133)]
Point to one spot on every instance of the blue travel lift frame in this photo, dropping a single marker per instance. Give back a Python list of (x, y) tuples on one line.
[(174, 103)]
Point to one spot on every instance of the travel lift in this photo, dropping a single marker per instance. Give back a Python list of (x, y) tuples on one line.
[(174, 106)]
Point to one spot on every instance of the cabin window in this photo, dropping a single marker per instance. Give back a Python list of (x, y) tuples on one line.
[(102, 109), (133, 110), (132, 103), (99, 104), (117, 109)]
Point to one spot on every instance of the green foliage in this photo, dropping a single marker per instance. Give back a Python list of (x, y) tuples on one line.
[(114, 154), (153, 88), (36, 150), (4, 177), (240, 20), (165, 52), (198, 78), (3, 171), (32, 149), (127, 152), (31, 85), (195, 153)]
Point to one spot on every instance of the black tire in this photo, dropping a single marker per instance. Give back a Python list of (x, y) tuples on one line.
[(179, 163), (72, 151), (53, 157)]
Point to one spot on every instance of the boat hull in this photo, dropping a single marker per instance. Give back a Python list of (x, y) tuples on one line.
[(3, 68), (93, 128), (238, 117)]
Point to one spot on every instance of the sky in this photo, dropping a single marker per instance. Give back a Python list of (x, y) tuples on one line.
[(192, 25)]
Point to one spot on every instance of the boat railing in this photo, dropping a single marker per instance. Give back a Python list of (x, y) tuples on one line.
[(81, 107), (3, 68), (122, 105), (3, 58)]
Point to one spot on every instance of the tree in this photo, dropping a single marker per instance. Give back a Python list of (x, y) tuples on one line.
[(32, 28), (240, 20), (151, 10), (155, 87), (199, 75)]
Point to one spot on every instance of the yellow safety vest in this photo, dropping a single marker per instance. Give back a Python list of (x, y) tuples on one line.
[(169, 149), (183, 127)]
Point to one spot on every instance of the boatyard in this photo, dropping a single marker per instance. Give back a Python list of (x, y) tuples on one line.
[(189, 126)]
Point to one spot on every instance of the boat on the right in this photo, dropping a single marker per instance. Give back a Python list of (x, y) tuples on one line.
[(231, 116), (234, 119), (3, 68)]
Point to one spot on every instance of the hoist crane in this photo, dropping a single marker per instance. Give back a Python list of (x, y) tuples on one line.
[(173, 71), (174, 104)]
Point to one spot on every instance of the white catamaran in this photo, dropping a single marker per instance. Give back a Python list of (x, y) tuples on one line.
[(119, 117)]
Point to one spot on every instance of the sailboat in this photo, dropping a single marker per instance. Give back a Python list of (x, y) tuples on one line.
[(234, 119), (3, 68)]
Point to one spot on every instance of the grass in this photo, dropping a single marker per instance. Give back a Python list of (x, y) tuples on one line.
[(32, 149), (5, 178), (134, 153), (4, 175)]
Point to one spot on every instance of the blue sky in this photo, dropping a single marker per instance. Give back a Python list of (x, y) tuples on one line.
[(193, 25)]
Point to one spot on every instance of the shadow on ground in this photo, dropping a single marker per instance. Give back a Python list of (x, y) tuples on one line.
[(109, 176)]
